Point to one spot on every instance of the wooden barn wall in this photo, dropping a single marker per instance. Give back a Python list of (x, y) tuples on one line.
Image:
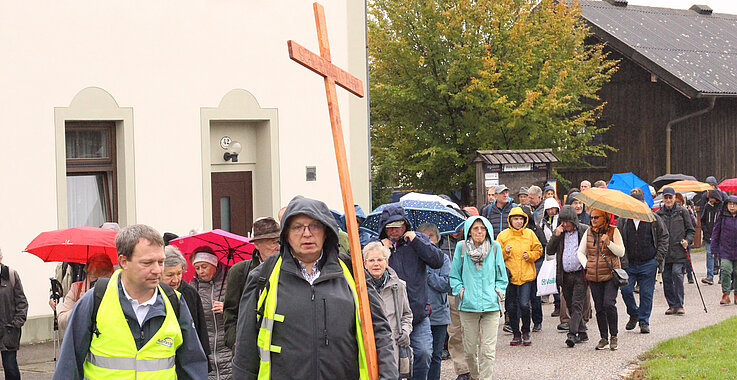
[(707, 145), (637, 112)]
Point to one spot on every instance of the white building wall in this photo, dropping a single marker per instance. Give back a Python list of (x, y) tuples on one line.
[(166, 60)]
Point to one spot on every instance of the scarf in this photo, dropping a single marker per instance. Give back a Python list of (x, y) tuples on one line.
[(378, 283), (477, 254)]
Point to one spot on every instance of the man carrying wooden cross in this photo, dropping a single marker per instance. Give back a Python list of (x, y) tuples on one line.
[(298, 317)]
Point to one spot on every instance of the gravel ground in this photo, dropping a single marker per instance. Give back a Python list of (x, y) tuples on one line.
[(550, 358)]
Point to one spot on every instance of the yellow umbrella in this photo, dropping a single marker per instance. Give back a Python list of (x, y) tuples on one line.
[(617, 203), (688, 186)]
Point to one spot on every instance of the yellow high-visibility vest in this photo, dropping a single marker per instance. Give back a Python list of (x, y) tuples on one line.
[(265, 348), (113, 353)]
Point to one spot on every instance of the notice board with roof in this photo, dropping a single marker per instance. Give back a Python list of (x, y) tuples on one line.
[(513, 168)]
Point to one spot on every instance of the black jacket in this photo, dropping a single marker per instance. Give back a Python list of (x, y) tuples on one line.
[(194, 304), (678, 223), (318, 333), (235, 282), (13, 309), (556, 243), (709, 215), (660, 239)]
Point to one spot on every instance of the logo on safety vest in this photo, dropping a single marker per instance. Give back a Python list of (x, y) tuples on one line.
[(166, 342)]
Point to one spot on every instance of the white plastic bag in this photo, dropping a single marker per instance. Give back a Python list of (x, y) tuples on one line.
[(546, 279)]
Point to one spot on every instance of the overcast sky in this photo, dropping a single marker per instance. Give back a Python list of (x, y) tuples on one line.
[(719, 6)]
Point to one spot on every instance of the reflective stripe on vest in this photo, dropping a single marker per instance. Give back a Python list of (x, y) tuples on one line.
[(269, 296), (114, 355)]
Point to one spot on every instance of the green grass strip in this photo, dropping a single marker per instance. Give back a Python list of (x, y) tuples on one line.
[(709, 353)]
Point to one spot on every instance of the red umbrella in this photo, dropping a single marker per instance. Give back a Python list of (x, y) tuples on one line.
[(729, 185), (229, 247), (74, 245)]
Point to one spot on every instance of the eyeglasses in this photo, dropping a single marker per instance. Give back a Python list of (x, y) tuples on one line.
[(478, 228), (595, 217), (300, 229)]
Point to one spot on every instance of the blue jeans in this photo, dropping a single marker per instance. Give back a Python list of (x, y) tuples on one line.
[(10, 365), (673, 284), (643, 274), (421, 342), (519, 299), (438, 340), (709, 261)]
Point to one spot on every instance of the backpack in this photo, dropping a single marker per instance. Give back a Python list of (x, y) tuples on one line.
[(99, 292)]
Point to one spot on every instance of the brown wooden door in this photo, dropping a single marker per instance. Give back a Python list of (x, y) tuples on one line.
[(232, 202)]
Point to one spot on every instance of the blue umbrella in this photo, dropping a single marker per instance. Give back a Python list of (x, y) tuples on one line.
[(445, 218), (625, 182), (340, 217)]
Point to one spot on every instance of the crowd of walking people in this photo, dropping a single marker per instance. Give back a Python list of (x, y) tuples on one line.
[(291, 310)]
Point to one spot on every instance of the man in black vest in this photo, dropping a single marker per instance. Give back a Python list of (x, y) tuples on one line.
[(646, 244)]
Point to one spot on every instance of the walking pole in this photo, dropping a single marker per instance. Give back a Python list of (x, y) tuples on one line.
[(56, 294), (697, 283)]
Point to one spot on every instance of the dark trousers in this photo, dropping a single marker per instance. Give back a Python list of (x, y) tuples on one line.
[(536, 303), (643, 274), (574, 287), (438, 340), (605, 301), (519, 300), (10, 365), (673, 284)]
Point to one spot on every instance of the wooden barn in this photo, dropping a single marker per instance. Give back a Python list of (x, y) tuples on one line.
[(672, 106)]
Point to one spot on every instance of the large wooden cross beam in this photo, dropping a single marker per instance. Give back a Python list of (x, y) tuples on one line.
[(333, 75)]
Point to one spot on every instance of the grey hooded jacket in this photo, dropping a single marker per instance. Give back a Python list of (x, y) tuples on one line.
[(318, 333)]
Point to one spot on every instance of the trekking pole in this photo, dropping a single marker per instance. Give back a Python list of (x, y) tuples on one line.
[(56, 294), (697, 283)]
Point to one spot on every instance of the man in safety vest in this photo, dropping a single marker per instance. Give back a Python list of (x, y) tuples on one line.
[(298, 315), (142, 330)]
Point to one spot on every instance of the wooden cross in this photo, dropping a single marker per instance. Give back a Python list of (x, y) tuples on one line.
[(333, 75)]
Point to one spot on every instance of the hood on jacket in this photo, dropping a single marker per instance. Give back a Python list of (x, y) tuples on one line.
[(716, 194), (550, 203), (469, 222), (517, 211), (393, 212), (568, 214), (315, 209), (711, 180)]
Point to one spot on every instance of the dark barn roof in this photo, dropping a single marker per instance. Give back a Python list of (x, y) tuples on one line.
[(694, 53)]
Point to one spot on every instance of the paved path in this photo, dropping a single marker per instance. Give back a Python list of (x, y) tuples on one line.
[(550, 358)]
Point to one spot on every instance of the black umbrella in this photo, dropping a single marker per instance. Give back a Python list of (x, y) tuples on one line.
[(670, 178)]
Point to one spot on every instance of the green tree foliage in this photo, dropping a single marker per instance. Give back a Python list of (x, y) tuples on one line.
[(449, 77)]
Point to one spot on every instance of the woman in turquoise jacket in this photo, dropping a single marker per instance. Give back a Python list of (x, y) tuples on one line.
[(478, 279)]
